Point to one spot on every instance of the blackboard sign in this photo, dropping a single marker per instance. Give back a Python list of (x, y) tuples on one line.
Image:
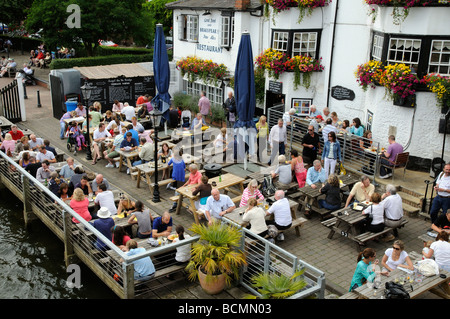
[(275, 87), (122, 89), (342, 93)]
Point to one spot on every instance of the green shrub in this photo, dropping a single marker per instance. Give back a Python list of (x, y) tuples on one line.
[(100, 60), (104, 50), (22, 43)]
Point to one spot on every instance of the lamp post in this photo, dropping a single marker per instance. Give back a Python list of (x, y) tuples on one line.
[(156, 118), (86, 90)]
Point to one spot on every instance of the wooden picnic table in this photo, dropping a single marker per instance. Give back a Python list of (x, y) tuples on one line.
[(228, 181), (128, 155), (434, 284), (345, 221)]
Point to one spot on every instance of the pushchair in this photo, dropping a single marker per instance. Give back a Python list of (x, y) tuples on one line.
[(72, 144)]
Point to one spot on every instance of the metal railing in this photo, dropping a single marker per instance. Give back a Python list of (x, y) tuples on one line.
[(359, 154), (10, 102), (111, 265), (265, 257)]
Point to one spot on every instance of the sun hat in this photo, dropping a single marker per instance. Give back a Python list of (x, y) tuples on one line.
[(319, 117), (103, 212)]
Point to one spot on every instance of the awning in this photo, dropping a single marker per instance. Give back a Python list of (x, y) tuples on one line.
[(127, 70)]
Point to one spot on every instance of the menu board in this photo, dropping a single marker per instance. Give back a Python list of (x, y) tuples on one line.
[(122, 89)]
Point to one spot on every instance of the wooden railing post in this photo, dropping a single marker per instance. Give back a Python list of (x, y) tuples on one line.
[(28, 214), (128, 281), (69, 256)]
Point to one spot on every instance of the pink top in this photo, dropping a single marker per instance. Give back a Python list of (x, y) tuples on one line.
[(195, 178), (246, 196), (299, 167), (81, 207), (9, 145), (204, 105)]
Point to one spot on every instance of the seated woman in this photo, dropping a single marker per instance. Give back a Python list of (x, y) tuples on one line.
[(183, 254), (125, 206), (164, 153), (204, 191), (8, 143), (141, 221), (251, 191), (54, 183), (345, 126), (119, 236), (25, 160), (375, 215), (332, 190), (80, 204), (365, 269), (396, 257), (366, 144), (108, 116), (255, 216), (63, 192)]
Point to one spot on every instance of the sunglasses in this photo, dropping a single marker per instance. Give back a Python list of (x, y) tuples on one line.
[(310, 130), (396, 248)]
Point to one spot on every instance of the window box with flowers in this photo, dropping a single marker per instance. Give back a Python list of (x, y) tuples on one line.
[(205, 70), (440, 85), (305, 7), (303, 66), (397, 79), (401, 7), (273, 62)]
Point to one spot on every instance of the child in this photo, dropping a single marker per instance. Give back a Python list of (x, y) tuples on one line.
[(76, 134), (426, 248)]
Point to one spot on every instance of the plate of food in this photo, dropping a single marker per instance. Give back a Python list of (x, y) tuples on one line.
[(367, 202), (172, 237), (358, 208)]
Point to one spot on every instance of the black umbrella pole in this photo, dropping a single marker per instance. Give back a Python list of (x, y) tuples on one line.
[(38, 99)]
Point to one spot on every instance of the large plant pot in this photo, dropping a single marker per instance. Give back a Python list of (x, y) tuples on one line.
[(213, 284)]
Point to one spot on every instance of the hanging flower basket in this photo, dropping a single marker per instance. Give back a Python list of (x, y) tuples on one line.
[(368, 74), (305, 7), (303, 66), (440, 85), (272, 61), (205, 70)]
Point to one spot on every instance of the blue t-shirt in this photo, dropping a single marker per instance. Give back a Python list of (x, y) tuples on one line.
[(104, 226), (159, 225), (363, 272), (357, 131), (131, 143), (179, 167), (134, 134), (142, 267)]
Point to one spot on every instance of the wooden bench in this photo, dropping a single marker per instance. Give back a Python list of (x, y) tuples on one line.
[(296, 223), (365, 237), (167, 181), (324, 212)]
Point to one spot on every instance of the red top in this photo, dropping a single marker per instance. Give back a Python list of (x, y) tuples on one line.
[(17, 136), (81, 208), (195, 178)]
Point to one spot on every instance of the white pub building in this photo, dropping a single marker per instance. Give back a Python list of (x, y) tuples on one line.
[(341, 34)]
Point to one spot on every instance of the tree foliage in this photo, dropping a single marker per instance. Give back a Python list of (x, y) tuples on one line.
[(14, 11), (101, 19)]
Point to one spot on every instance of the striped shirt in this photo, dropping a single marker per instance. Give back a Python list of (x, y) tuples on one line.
[(246, 196)]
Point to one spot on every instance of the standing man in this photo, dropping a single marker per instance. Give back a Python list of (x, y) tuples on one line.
[(311, 145), (204, 105), (388, 157), (277, 140), (393, 210), (230, 109), (442, 199)]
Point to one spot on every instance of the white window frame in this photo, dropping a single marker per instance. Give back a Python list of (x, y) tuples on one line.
[(214, 94), (414, 48), (280, 40), (304, 46), (227, 32), (435, 66), (192, 28), (377, 47)]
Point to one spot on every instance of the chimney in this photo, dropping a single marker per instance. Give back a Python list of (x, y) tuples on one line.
[(241, 5)]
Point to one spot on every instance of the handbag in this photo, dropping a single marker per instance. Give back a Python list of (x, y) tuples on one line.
[(268, 187), (395, 291), (427, 267)]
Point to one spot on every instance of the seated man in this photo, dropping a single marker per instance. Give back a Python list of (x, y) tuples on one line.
[(45, 155), (136, 125), (128, 111), (198, 122), (195, 177), (10, 65), (388, 157), (315, 174), (111, 152), (105, 198), (442, 223), (393, 210), (282, 213), (43, 173), (49, 148), (128, 144), (284, 173), (33, 166), (16, 134), (218, 205), (35, 142), (361, 191), (68, 170), (84, 185), (99, 179), (133, 132), (99, 138), (162, 226), (143, 267), (147, 152)]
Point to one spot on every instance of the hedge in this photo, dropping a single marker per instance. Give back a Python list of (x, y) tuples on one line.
[(105, 50), (100, 60), (22, 43)]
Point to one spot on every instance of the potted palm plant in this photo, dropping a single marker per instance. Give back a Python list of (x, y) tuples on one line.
[(274, 286), (215, 258)]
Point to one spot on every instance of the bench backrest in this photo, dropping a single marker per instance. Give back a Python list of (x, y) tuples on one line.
[(401, 159)]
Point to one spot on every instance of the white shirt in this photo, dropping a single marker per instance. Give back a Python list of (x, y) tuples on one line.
[(129, 112), (183, 252), (106, 199), (443, 182), (256, 218), (39, 141), (377, 212), (327, 129), (441, 252), (278, 134), (98, 134), (393, 207), (282, 212), (215, 207), (40, 157), (393, 264)]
